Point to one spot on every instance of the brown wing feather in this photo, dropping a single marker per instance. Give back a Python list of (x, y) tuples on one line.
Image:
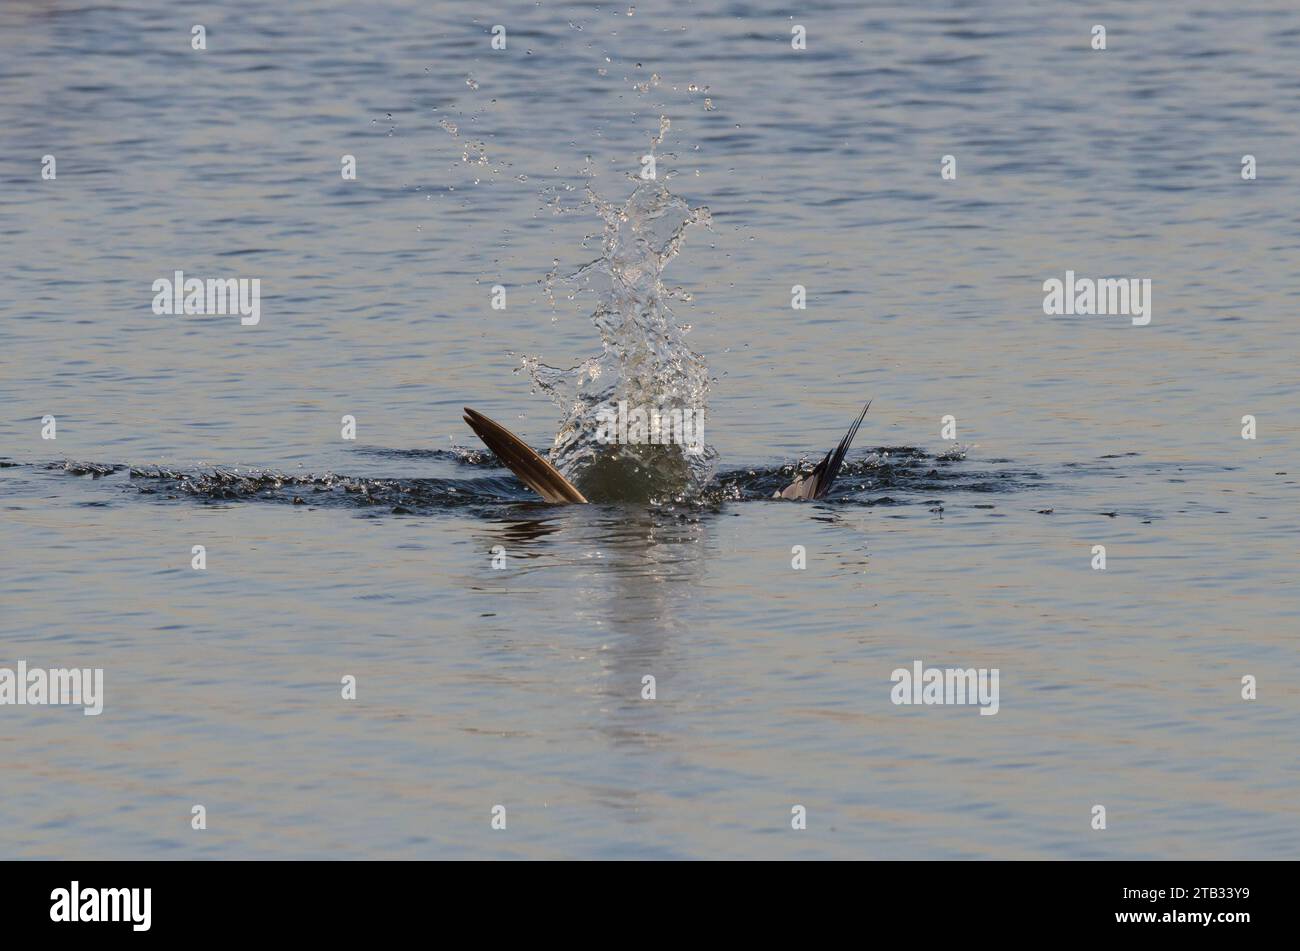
[(532, 470)]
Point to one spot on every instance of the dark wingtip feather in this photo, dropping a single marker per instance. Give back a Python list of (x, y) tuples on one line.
[(823, 476), (841, 451)]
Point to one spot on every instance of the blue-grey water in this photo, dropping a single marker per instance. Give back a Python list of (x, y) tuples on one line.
[(522, 687)]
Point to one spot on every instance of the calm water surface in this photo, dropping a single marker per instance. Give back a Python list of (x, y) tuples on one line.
[(522, 687)]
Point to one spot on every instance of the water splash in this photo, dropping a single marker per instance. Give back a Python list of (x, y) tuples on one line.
[(644, 359)]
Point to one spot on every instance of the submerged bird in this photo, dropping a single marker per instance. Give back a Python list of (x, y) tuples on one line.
[(547, 481)]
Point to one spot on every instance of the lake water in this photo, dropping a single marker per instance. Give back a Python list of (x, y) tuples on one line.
[(522, 687)]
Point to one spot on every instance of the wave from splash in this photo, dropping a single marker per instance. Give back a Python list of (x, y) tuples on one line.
[(887, 476), (644, 359)]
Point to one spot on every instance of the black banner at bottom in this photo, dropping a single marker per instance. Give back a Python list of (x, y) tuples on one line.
[(90, 900)]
